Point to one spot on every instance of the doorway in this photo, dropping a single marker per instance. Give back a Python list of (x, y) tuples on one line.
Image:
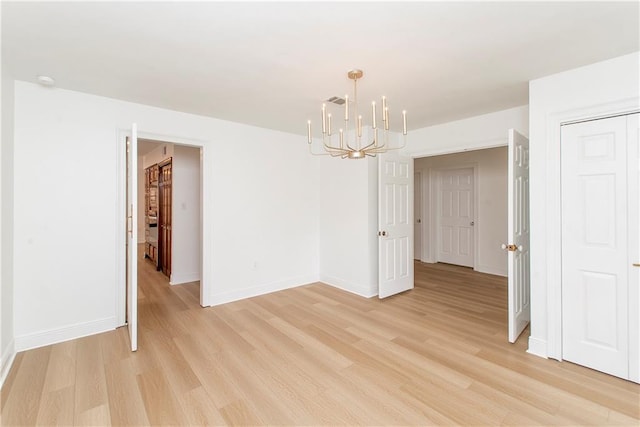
[(203, 243), (479, 201), (467, 201), (172, 211)]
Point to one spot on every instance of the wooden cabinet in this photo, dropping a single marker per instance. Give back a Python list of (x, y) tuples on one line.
[(158, 215), (151, 252), (165, 216)]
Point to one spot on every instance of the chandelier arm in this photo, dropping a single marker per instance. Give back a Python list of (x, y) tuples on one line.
[(379, 151), (366, 147), (333, 152), (350, 148), (331, 148), (316, 154)]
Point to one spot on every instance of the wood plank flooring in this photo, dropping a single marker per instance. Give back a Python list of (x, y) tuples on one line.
[(314, 355)]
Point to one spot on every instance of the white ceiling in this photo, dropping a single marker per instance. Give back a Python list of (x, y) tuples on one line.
[(272, 64)]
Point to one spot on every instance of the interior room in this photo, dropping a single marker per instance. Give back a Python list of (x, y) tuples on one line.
[(320, 213)]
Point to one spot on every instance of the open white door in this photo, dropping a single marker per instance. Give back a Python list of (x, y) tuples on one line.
[(395, 221), (518, 233), (132, 237)]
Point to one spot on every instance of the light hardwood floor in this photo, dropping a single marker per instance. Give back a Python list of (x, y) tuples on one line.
[(314, 355)]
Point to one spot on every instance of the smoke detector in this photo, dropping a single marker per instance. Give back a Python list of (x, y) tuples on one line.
[(46, 81)]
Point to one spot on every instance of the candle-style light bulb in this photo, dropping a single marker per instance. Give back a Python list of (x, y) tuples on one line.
[(404, 122), (341, 138), (373, 114), (309, 131), (359, 126), (386, 118), (324, 119), (384, 108), (329, 119), (346, 107)]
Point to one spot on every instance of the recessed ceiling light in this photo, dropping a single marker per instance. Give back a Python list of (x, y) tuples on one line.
[(46, 81)]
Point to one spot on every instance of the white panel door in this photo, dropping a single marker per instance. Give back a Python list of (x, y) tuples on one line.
[(599, 243), (132, 237), (417, 215), (395, 220), (633, 230), (518, 232), (456, 217)]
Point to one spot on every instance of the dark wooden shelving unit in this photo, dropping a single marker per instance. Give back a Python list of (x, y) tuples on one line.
[(151, 175)]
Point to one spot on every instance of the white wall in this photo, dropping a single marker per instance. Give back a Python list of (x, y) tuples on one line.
[(163, 151), (186, 235), (491, 217), (605, 88), (485, 131), (7, 346), (348, 255), (261, 186)]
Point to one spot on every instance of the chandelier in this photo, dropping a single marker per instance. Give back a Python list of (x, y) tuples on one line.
[(350, 145)]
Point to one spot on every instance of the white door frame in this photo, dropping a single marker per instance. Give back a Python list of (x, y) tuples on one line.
[(434, 211), (553, 213), (206, 200)]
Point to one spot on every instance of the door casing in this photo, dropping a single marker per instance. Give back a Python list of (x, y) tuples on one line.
[(552, 347)]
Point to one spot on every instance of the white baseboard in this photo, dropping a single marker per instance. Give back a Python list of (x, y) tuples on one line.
[(537, 347), (8, 356), (53, 336), (222, 298), (491, 270), (345, 285), (178, 279)]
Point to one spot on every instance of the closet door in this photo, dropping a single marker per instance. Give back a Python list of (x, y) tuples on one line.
[(165, 217), (599, 238)]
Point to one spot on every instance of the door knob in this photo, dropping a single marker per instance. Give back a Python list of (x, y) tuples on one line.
[(636, 264), (382, 233), (511, 248), (472, 223)]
